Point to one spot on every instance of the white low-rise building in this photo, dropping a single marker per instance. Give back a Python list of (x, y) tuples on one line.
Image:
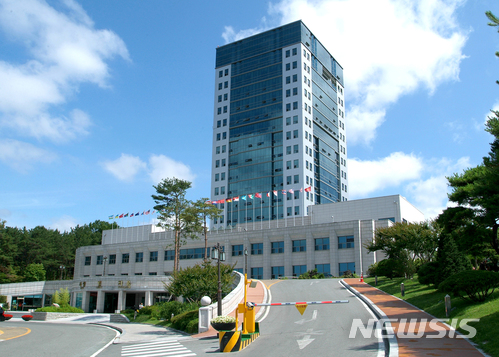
[(132, 264)]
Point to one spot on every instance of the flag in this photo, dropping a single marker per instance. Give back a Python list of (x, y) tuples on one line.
[(275, 193), (250, 197), (228, 200), (235, 199), (207, 203), (122, 215), (243, 197), (136, 214), (221, 201), (153, 211), (284, 192), (126, 215), (214, 202), (131, 214), (111, 216), (291, 191), (268, 193), (301, 189), (117, 216), (258, 195), (308, 189), (148, 211)]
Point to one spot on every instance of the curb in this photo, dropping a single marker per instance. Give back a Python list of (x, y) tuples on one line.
[(389, 339)]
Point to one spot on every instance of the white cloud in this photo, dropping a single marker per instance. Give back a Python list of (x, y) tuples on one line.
[(125, 168), (161, 166), (21, 156), (64, 223), (388, 48), (65, 51), (367, 177), (430, 194)]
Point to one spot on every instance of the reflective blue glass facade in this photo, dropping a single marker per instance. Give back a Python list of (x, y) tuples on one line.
[(279, 141)]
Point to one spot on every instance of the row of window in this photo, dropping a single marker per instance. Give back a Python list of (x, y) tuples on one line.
[(299, 245), (294, 51), (225, 85), (222, 136), (219, 109), (278, 271), (226, 73)]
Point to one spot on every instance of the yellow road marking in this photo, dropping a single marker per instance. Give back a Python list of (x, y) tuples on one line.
[(11, 332), (275, 282)]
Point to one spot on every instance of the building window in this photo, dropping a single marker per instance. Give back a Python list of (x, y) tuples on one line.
[(288, 163), (324, 269), (288, 180), (288, 107), (295, 51), (223, 162), (226, 84), (295, 119), (219, 98), (256, 248), (295, 105), (288, 210), (216, 177), (218, 136), (295, 134), (257, 273), (125, 258), (277, 272), (138, 273), (295, 149), (296, 164), (297, 195), (220, 74), (299, 270), (288, 93), (345, 242), (295, 91), (112, 259), (224, 148), (288, 151), (153, 256), (277, 247), (288, 79), (217, 150), (288, 135), (219, 110), (345, 267), (296, 179), (226, 71), (224, 135), (169, 255), (99, 260), (295, 64), (225, 109), (321, 243), (224, 122), (88, 260), (222, 178), (139, 257), (153, 273), (288, 66), (237, 250), (219, 86), (216, 191), (194, 253), (295, 78), (299, 245), (217, 163)]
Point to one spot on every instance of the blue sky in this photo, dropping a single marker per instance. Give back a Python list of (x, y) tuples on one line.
[(100, 100)]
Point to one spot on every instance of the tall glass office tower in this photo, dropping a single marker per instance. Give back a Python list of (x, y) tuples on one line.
[(279, 142)]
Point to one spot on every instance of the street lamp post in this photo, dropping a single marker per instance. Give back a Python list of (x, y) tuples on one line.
[(104, 272), (62, 267), (246, 261), (218, 254)]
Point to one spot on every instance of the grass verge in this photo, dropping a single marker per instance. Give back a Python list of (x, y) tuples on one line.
[(431, 301)]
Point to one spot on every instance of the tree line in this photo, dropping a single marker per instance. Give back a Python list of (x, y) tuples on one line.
[(39, 253)]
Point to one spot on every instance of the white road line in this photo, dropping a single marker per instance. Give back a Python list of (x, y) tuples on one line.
[(169, 348)]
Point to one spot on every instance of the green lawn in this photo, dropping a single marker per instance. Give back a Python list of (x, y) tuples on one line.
[(430, 300)]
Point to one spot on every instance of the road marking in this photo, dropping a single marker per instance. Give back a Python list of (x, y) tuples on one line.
[(278, 281), (306, 340), (302, 321), (9, 333), (314, 282), (170, 348)]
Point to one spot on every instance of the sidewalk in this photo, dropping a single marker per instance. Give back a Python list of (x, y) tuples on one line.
[(256, 295), (398, 309)]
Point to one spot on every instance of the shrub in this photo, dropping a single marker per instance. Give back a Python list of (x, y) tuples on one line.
[(427, 273), (165, 310), (192, 326), (181, 321), (71, 309), (390, 268), (61, 297), (475, 285), (312, 274)]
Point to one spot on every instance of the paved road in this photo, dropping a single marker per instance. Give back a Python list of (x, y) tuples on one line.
[(40, 339), (323, 330)]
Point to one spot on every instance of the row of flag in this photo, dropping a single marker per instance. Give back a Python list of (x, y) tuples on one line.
[(124, 215), (257, 195)]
